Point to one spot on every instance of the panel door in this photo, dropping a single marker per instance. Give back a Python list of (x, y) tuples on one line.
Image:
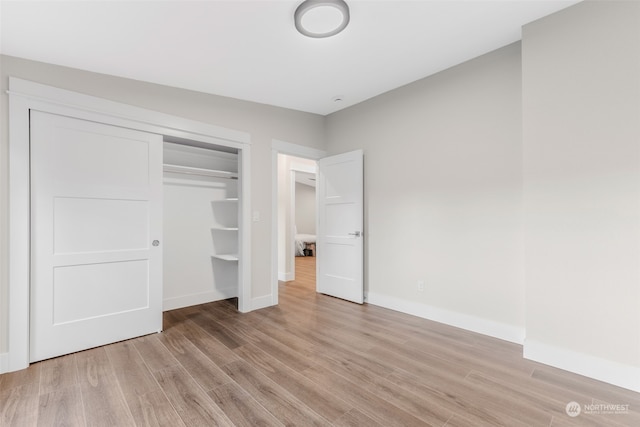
[(340, 226), (96, 228)]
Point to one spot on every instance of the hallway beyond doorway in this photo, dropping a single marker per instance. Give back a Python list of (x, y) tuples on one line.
[(305, 273)]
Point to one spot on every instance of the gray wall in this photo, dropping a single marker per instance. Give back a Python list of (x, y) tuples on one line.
[(443, 189), (581, 92), (305, 208), (262, 122)]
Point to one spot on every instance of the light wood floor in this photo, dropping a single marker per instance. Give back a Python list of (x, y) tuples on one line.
[(313, 360)]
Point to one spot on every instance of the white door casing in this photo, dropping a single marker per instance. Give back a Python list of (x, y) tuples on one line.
[(96, 221), (282, 147), (340, 226)]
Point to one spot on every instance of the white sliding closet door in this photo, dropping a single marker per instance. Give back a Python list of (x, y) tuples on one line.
[(96, 221)]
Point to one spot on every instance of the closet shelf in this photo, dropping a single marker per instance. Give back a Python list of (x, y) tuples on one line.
[(188, 170), (230, 199), (226, 257), (225, 228)]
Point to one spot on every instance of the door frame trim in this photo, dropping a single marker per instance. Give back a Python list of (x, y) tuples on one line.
[(24, 96), (282, 147)]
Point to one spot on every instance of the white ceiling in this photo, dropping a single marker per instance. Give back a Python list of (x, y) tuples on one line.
[(250, 49)]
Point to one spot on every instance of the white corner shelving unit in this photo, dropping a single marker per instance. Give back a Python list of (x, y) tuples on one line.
[(202, 232), (226, 257), (226, 229)]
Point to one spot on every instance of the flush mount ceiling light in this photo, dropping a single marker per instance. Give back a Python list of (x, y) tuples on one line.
[(321, 18)]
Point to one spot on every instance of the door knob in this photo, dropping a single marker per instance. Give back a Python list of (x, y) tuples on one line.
[(357, 234), (156, 243)]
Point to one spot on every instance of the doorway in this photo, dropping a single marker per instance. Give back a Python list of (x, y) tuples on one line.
[(339, 225), (303, 159), (296, 215)]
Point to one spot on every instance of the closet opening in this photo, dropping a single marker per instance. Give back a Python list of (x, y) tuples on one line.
[(201, 224)]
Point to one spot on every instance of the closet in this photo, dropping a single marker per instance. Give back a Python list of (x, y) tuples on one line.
[(200, 223), (117, 213)]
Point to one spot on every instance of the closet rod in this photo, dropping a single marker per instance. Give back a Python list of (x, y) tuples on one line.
[(188, 170)]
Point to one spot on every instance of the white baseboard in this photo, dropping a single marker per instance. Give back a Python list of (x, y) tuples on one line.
[(4, 363), (200, 298), (471, 323), (625, 376), (285, 277), (261, 302)]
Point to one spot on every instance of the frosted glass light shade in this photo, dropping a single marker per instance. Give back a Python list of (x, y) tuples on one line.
[(321, 18)]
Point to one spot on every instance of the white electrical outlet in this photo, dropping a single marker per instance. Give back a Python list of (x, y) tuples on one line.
[(421, 285)]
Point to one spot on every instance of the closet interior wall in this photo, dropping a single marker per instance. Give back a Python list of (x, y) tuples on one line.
[(201, 195)]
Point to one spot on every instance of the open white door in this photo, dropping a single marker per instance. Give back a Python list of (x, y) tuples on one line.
[(96, 221), (340, 226)]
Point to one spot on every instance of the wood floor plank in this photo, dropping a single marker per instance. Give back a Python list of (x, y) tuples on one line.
[(391, 392), (355, 418), (425, 366), (548, 400), (94, 366), (104, 404), (377, 408), (463, 421), (223, 309), (61, 408), (154, 410), (328, 337), (285, 352), (58, 373), (134, 377), (373, 329), (587, 386), (19, 405), (216, 351), (171, 319), (154, 353), (103, 400), (474, 404), (190, 401), (295, 383), (300, 343), (566, 422), (206, 373), (241, 408), (28, 376), (146, 401), (285, 407), (220, 333), (472, 357)]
